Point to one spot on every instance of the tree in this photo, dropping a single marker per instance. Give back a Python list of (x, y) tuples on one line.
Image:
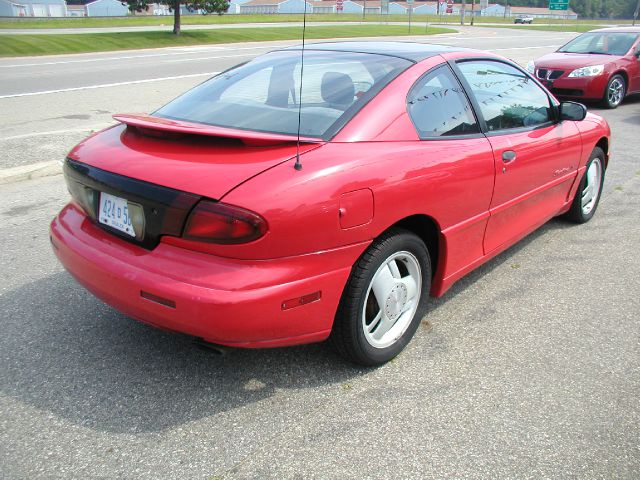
[(202, 6)]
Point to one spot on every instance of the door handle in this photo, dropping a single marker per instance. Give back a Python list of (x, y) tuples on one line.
[(508, 156)]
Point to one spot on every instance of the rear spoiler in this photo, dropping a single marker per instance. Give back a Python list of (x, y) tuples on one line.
[(248, 137)]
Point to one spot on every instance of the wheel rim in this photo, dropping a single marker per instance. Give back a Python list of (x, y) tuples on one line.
[(615, 92), (392, 299), (592, 186)]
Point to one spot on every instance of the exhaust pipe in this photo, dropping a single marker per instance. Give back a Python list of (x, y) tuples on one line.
[(205, 346)]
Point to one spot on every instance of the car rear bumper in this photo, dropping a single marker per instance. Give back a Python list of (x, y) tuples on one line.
[(225, 301)]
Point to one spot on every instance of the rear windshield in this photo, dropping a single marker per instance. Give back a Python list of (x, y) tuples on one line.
[(605, 43), (264, 94)]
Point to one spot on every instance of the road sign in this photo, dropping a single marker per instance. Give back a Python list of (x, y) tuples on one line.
[(339, 5), (558, 4)]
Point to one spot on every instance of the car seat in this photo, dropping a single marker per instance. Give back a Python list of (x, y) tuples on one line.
[(337, 90)]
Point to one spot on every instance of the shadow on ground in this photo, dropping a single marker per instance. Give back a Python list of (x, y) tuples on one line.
[(477, 274), (628, 105), (64, 351)]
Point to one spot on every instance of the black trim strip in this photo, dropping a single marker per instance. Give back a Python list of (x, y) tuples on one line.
[(165, 209)]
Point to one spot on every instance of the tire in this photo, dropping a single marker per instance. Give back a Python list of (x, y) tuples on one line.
[(587, 196), (614, 92), (397, 269)]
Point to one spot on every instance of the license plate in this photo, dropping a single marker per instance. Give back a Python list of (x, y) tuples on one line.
[(114, 212)]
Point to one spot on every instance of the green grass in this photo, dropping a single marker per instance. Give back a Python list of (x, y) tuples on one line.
[(140, 21), (540, 22), (23, 45)]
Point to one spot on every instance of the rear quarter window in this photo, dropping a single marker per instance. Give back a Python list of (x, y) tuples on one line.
[(439, 107)]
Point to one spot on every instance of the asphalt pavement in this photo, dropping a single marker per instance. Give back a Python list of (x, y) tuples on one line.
[(528, 368), (53, 102)]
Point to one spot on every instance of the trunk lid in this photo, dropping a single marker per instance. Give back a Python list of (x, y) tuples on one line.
[(199, 159)]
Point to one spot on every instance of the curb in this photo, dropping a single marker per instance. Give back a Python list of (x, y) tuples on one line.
[(29, 172)]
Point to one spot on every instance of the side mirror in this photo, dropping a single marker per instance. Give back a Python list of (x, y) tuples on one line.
[(572, 111)]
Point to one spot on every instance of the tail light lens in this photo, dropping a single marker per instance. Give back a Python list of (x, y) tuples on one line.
[(223, 224)]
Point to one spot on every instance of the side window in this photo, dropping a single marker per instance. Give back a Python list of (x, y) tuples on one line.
[(507, 97), (438, 106)]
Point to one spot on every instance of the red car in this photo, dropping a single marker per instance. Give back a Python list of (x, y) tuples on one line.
[(601, 65), (254, 211)]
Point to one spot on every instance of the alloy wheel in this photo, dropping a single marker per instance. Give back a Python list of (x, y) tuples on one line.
[(615, 92), (392, 299), (592, 186)]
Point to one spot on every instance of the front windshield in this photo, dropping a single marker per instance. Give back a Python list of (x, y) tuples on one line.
[(263, 95), (605, 43)]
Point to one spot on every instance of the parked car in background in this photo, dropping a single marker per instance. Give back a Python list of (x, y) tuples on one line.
[(523, 19), (599, 65), (257, 210)]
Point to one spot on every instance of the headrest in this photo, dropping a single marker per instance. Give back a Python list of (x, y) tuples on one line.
[(337, 88)]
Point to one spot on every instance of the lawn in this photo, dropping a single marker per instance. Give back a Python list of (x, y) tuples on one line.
[(23, 45), (139, 21)]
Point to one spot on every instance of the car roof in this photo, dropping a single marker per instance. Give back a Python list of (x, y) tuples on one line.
[(618, 30), (412, 51)]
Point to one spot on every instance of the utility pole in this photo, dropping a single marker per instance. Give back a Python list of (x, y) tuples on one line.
[(473, 13)]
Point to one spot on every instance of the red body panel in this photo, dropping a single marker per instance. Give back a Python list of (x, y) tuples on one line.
[(230, 302), (206, 166), (373, 174), (535, 183)]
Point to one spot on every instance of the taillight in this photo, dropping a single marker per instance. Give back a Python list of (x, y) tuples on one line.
[(223, 224)]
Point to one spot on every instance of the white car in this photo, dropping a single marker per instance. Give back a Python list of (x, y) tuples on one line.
[(523, 19)]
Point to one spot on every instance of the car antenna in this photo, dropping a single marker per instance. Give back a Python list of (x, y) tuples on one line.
[(298, 165)]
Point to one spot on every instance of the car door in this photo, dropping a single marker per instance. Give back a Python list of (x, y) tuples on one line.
[(535, 157), (460, 188)]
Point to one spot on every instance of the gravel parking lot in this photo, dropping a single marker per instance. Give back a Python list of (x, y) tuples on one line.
[(528, 368)]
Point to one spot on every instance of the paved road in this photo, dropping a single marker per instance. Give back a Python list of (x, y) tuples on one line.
[(528, 368), (55, 101)]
